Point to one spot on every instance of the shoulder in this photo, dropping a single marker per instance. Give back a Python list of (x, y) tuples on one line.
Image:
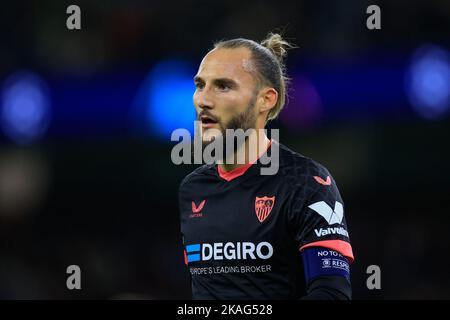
[(199, 172), (301, 171)]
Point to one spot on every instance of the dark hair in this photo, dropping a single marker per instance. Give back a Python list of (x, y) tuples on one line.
[(268, 58)]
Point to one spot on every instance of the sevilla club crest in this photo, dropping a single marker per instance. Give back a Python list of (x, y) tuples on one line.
[(263, 207)]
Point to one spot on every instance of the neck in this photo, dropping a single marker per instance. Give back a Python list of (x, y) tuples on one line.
[(250, 150)]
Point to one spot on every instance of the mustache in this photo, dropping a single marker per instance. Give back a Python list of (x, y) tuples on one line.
[(207, 114)]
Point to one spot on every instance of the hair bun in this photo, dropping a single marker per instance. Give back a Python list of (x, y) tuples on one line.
[(275, 43)]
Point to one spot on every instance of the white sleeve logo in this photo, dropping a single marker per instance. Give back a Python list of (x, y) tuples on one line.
[(332, 216)]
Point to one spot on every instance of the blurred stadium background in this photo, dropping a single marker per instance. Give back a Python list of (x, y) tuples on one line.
[(86, 116)]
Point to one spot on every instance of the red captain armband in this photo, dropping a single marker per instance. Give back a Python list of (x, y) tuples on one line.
[(340, 246)]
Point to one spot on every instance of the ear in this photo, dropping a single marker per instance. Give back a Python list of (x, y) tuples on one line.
[(268, 98)]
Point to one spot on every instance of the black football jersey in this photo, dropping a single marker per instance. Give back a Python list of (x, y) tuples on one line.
[(243, 231)]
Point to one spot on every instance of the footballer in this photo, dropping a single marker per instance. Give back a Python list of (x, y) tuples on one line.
[(247, 235)]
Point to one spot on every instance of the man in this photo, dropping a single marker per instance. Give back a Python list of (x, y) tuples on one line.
[(249, 235)]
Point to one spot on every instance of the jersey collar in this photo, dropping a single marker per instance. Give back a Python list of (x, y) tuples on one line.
[(233, 174)]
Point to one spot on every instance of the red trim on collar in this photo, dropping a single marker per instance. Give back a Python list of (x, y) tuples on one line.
[(233, 174)]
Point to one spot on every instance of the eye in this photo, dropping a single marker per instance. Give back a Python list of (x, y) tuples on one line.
[(199, 85), (223, 86)]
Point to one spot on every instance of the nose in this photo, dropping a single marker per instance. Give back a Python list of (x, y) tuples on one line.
[(203, 100)]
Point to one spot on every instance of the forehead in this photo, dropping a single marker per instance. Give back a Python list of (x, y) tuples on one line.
[(227, 63)]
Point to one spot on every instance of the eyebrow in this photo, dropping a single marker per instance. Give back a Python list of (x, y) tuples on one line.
[(224, 81)]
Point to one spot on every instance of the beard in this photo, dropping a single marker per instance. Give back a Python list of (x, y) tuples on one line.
[(244, 120)]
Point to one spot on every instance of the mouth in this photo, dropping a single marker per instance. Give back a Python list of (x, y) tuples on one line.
[(207, 122)]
